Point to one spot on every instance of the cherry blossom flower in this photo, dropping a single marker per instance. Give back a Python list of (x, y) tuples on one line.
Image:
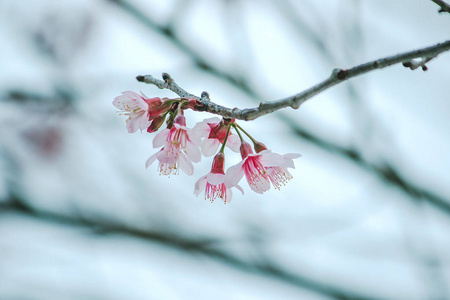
[(141, 110), (260, 169), (136, 108), (279, 175), (213, 183), (214, 131), (180, 147)]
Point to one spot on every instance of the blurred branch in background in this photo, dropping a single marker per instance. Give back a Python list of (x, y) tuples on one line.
[(210, 248)]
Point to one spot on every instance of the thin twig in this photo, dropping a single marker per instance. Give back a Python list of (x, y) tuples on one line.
[(444, 6), (336, 77)]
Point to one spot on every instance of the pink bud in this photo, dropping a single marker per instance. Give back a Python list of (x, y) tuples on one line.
[(246, 149), (218, 163), (259, 147)]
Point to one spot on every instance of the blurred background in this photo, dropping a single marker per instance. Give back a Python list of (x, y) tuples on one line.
[(366, 216)]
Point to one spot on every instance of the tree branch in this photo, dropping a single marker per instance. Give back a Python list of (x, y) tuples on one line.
[(409, 59), (444, 6)]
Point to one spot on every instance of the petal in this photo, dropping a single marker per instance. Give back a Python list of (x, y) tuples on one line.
[(270, 159), (201, 129), (151, 159), (288, 162), (229, 195), (168, 157), (215, 178), (234, 174), (161, 138), (143, 122), (142, 104), (233, 142), (193, 137), (200, 185), (185, 164), (239, 188), (132, 124), (292, 155), (212, 120), (263, 185), (193, 152), (210, 147), (131, 95), (121, 101), (144, 95)]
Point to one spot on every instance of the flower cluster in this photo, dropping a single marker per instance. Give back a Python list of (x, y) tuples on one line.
[(181, 146)]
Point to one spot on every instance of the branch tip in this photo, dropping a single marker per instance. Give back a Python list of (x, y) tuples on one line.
[(407, 64), (166, 77), (140, 78)]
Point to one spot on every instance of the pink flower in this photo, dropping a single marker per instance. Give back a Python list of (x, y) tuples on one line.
[(260, 169), (180, 147), (279, 175), (140, 109), (214, 182), (214, 130), (136, 108)]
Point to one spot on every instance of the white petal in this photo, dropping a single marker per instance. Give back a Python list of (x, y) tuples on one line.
[(239, 188), (144, 95), (151, 159), (143, 121), (292, 155), (288, 162), (200, 185), (132, 124), (131, 95), (193, 152), (193, 137), (185, 164), (215, 178), (168, 157), (210, 147), (261, 186), (212, 120), (229, 195), (234, 174), (233, 142), (270, 159), (121, 102), (142, 104), (201, 129), (161, 138)]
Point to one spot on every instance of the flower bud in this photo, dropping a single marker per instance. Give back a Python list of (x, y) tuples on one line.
[(259, 146), (156, 123)]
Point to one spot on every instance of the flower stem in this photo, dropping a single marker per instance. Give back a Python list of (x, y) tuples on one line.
[(226, 138), (246, 133), (237, 130)]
